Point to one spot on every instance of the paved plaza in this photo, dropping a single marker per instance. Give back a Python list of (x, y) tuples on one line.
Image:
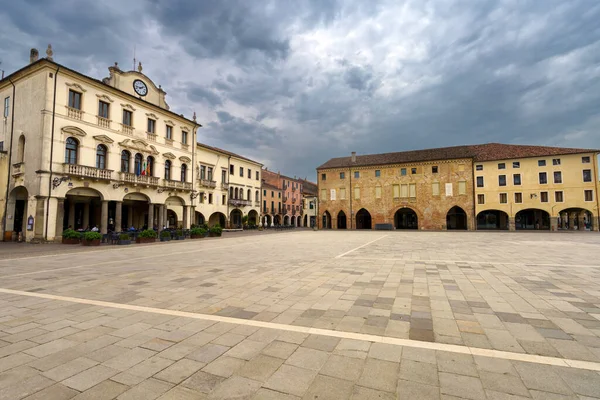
[(306, 315)]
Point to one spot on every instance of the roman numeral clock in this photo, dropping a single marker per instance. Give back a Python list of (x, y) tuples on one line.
[(140, 87)]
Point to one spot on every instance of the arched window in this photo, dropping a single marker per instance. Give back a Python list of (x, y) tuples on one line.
[(138, 164), (71, 148), (231, 193), (101, 156), (168, 170), (249, 195), (256, 196), (236, 193), (183, 173), (21, 149), (125, 159), (150, 166)]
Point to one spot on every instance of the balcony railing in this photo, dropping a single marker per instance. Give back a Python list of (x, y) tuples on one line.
[(177, 184), (294, 199), (207, 183), (224, 186), (74, 113), (139, 179), (127, 129), (240, 202), (151, 136), (285, 198), (256, 203), (103, 122), (87, 172), (18, 169)]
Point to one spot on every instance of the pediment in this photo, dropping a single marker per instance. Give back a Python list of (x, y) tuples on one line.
[(170, 156), (76, 86), (104, 139), (185, 159), (139, 142), (151, 115), (127, 106), (138, 145), (169, 122), (104, 98), (74, 131)]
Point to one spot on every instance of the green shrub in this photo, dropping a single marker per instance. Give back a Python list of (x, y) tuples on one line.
[(179, 233), (216, 229), (198, 232), (148, 233), (123, 236), (165, 234), (71, 234), (92, 236)]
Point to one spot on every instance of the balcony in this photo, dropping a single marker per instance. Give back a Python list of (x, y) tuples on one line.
[(239, 202), (266, 210), (139, 179), (151, 136), (285, 199), (294, 188), (103, 122), (74, 113), (207, 183), (257, 204), (18, 169), (84, 171), (127, 129), (294, 199), (224, 185), (168, 183)]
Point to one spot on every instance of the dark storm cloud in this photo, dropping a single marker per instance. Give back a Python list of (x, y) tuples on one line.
[(296, 82)]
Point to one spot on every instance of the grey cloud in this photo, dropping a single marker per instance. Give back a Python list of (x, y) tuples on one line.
[(199, 94)]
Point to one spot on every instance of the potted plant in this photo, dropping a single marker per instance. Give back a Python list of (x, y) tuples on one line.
[(216, 231), (124, 239), (91, 239), (179, 235), (197, 233), (165, 236), (147, 236), (69, 236)]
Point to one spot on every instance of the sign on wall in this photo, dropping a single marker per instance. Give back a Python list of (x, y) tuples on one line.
[(332, 194), (449, 189)]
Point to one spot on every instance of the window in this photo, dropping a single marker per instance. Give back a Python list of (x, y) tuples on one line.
[(343, 194), (377, 192), (184, 137), (125, 158), (257, 196), (6, 106), (480, 199), (503, 198), (462, 187), (150, 166), (127, 118), (588, 195), (377, 173), (502, 180), (224, 200), (71, 148), (209, 176), (556, 161), (403, 191), (169, 132), (101, 156), (356, 174), (249, 173), (138, 164), (412, 190), (501, 166), (279, 193), (357, 193), (272, 195), (151, 125), (557, 177), (257, 176), (435, 188), (311, 205), (403, 171), (396, 191), (413, 171), (332, 195), (461, 167), (202, 172), (342, 175), (584, 160), (516, 164), (242, 172), (323, 177), (210, 198), (541, 163), (323, 194), (480, 181), (223, 176), (558, 196), (518, 197), (543, 178), (183, 173), (231, 169), (479, 168), (587, 175), (103, 109), (517, 179), (168, 169), (544, 197), (249, 195), (74, 99)]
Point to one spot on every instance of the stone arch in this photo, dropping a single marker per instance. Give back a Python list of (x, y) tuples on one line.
[(456, 218), (217, 218), (253, 217), (235, 218), (406, 218), (342, 220), (363, 219), (17, 207), (492, 220), (532, 219), (199, 218), (286, 220), (83, 208), (326, 220), (575, 218)]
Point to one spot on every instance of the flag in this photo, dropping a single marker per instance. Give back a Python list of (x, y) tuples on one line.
[(144, 168), (148, 168)]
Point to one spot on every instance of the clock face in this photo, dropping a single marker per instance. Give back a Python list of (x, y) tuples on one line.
[(140, 87)]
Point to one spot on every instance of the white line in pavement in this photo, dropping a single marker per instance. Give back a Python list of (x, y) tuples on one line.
[(498, 262), (360, 247), (562, 362)]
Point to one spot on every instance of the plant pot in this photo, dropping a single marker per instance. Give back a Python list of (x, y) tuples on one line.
[(70, 241), (165, 239), (123, 242), (145, 240), (95, 242), (197, 236), (212, 234)]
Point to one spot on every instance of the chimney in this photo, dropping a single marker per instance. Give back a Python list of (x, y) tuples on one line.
[(33, 56), (353, 156)]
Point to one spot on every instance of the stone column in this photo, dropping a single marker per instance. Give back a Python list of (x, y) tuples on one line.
[(581, 221), (161, 216), (86, 216), (193, 215), (103, 217), (60, 216), (554, 223), (186, 217), (129, 217), (118, 216), (72, 214), (165, 215), (572, 220), (40, 216), (511, 224), (150, 216)]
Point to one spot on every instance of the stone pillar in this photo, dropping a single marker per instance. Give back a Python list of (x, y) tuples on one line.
[(581, 221), (129, 216), (104, 217), (165, 215), (150, 216), (161, 216), (186, 217), (71, 214), (60, 216), (553, 223), (573, 220), (86, 216), (511, 224), (40, 216), (118, 216), (193, 215)]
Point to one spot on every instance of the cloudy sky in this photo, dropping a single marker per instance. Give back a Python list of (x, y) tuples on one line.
[(292, 83)]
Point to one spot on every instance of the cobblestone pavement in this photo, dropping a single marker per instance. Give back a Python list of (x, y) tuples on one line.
[(327, 315)]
